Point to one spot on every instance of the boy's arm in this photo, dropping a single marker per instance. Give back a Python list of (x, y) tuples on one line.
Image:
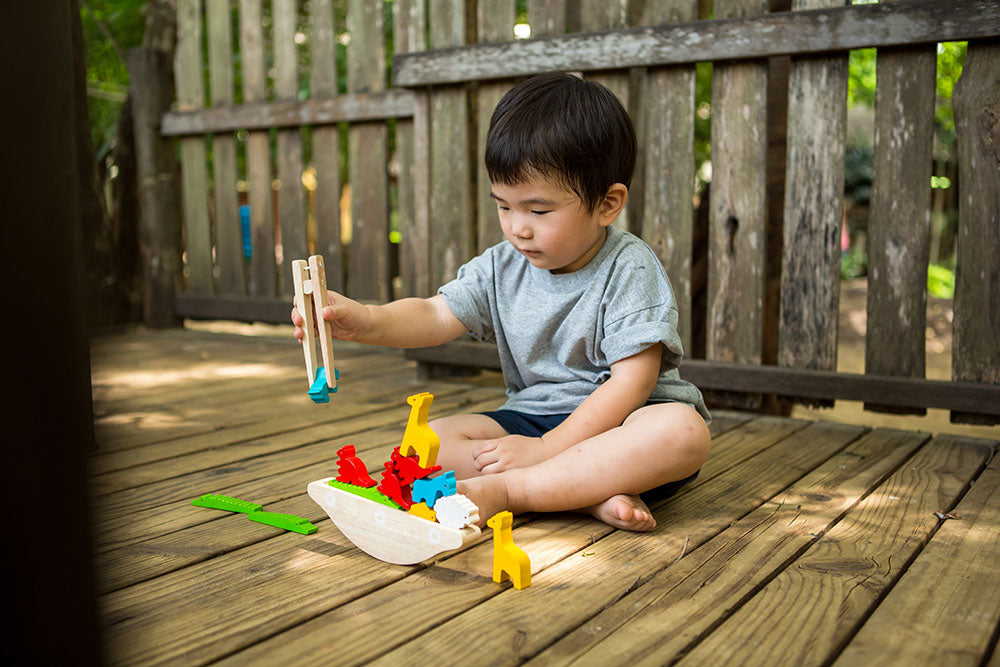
[(407, 322), (631, 383), (413, 322)]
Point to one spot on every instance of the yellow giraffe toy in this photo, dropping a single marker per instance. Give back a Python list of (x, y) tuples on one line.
[(418, 438), (508, 558)]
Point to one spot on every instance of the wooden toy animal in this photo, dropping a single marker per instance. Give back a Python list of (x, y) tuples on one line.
[(418, 438), (508, 558)]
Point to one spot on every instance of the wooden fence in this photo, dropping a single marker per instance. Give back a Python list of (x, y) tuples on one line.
[(769, 277)]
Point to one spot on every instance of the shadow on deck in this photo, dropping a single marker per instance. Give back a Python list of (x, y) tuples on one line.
[(800, 542)]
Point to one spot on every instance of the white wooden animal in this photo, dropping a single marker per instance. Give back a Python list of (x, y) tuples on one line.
[(456, 511)]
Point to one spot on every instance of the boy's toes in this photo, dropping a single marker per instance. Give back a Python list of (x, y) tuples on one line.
[(625, 512)]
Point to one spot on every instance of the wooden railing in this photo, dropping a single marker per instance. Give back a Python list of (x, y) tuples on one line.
[(769, 324)]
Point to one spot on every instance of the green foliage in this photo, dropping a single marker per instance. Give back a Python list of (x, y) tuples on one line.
[(853, 264), (940, 281), (110, 28), (859, 165)]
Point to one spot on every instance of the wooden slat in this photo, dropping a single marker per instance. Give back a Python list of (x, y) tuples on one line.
[(828, 591), (409, 34), (902, 391), (738, 203), (658, 621), (945, 610), (291, 207), (547, 17), (976, 351), (495, 24), (326, 144), (668, 149), (814, 208), (452, 214), (158, 188), (602, 15), (262, 275), (228, 237), (194, 173), (317, 111), (899, 219), (368, 273), (791, 33)]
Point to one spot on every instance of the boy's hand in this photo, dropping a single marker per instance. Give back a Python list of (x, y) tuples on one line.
[(348, 317), (510, 451)]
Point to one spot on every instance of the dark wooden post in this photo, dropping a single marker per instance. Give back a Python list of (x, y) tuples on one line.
[(159, 194), (47, 418)]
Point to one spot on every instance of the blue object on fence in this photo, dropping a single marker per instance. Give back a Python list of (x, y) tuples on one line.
[(320, 391), (245, 228)]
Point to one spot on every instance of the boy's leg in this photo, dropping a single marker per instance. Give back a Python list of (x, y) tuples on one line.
[(459, 435), (656, 444)]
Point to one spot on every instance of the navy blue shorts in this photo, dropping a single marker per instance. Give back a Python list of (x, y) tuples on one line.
[(535, 426)]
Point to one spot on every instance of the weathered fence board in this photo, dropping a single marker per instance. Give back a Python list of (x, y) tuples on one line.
[(326, 144), (194, 173), (738, 206), (318, 111), (668, 150), (409, 35), (548, 17), (452, 239), (789, 33), (291, 207), (496, 24), (814, 208), (262, 278), (367, 142), (899, 224), (598, 15), (976, 343), (445, 216), (225, 207)]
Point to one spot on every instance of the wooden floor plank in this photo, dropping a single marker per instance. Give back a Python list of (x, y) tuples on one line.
[(522, 623), (287, 610), (172, 548), (946, 608), (154, 509), (828, 591), (226, 446), (658, 621)]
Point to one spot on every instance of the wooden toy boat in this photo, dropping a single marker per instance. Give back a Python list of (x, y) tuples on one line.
[(389, 534)]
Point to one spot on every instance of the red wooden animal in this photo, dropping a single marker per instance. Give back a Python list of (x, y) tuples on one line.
[(352, 469)]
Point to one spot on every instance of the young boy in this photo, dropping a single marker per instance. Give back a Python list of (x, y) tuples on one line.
[(581, 312)]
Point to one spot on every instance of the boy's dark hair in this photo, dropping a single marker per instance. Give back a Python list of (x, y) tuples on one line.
[(569, 129)]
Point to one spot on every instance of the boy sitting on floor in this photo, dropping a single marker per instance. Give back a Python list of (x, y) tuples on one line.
[(597, 417)]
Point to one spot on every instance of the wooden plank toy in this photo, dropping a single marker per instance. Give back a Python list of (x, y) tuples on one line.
[(310, 299)]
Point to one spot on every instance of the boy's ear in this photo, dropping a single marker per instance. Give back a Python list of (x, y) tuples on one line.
[(614, 202)]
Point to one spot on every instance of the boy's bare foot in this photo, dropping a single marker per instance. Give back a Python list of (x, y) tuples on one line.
[(622, 511), (488, 492)]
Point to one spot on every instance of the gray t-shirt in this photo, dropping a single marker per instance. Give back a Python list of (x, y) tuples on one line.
[(559, 333)]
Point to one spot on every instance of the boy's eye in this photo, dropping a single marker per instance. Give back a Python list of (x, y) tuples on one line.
[(539, 212)]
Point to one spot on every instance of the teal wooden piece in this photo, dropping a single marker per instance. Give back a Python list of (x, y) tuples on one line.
[(320, 390)]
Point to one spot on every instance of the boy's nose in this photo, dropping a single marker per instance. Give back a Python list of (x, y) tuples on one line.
[(521, 229)]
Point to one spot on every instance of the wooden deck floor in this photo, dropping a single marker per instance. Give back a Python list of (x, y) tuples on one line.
[(800, 543)]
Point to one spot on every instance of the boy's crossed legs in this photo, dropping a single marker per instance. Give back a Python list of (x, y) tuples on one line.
[(602, 475)]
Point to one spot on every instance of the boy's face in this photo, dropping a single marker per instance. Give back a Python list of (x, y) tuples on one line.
[(549, 224)]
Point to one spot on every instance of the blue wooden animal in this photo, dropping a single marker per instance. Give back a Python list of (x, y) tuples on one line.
[(430, 490)]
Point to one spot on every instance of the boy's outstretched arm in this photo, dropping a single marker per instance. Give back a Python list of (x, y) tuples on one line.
[(410, 322), (631, 383)]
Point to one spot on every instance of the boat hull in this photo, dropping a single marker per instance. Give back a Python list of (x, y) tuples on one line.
[(391, 535)]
